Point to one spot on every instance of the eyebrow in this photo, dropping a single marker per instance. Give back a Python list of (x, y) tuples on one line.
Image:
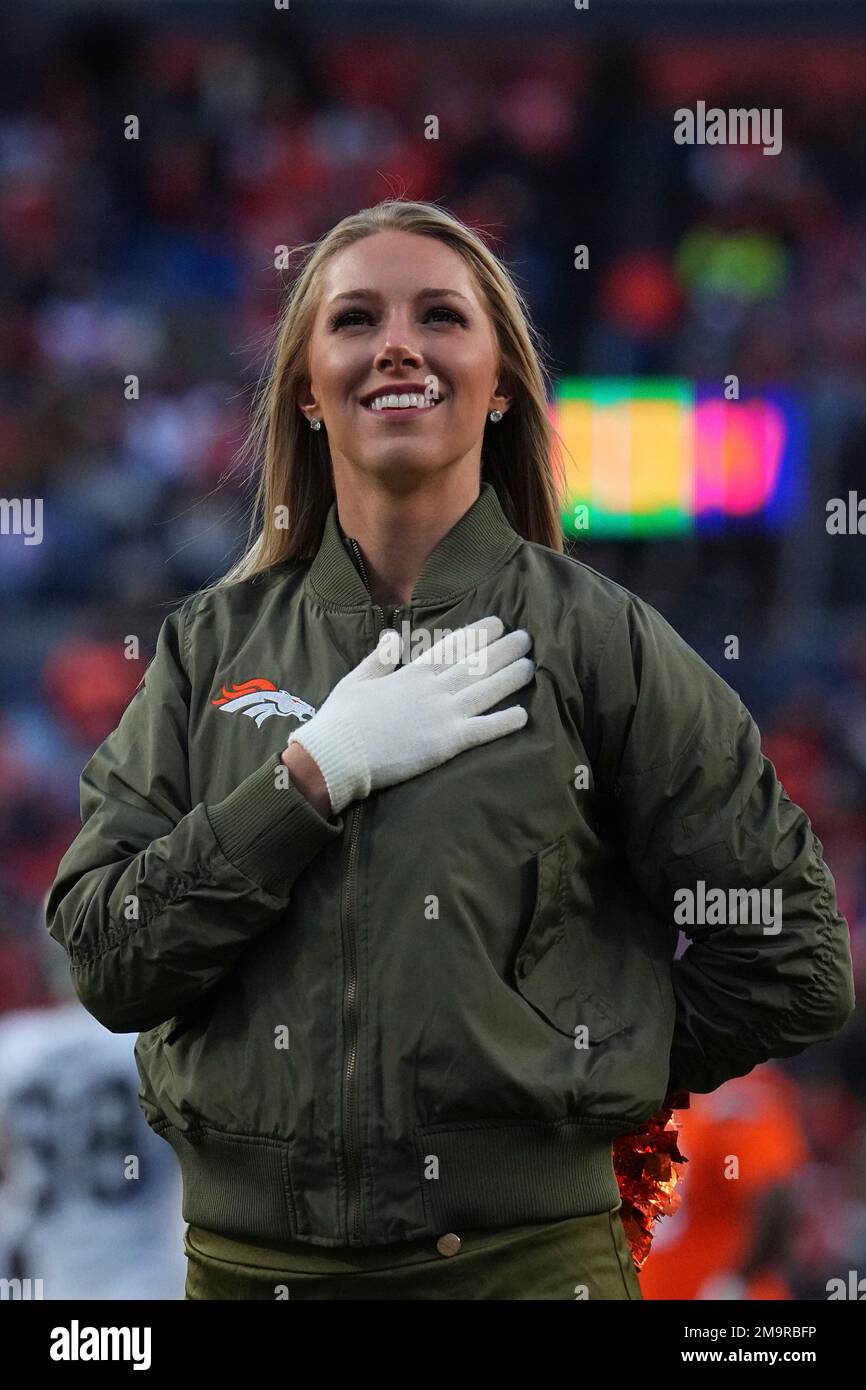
[(422, 294)]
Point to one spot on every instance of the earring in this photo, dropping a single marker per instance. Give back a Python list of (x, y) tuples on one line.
[(315, 424), (496, 416)]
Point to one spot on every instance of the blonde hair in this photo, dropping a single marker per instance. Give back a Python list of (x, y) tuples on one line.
[(517, 454)]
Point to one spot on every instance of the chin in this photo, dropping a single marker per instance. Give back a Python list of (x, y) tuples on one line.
[(395, 462)]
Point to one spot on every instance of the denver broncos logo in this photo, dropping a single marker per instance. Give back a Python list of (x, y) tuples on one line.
[(260, 698)]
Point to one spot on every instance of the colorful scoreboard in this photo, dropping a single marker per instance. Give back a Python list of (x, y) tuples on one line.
[(671, 457)]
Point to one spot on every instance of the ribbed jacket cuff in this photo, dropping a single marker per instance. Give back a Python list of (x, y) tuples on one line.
[(270, 832), (341, 759)]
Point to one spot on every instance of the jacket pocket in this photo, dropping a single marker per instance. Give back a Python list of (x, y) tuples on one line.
[(553, 969)]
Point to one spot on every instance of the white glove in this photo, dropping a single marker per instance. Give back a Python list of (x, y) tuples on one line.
[(380, 726)]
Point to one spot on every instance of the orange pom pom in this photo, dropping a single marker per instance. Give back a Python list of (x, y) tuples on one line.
[(648, 1166)]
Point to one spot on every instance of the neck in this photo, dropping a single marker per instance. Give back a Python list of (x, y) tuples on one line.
[(397, 531)]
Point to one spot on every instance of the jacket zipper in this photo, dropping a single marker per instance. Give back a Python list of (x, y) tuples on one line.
[(349, 916), (351, 1126)]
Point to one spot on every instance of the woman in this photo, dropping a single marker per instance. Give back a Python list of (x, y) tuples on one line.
[(402, 985)]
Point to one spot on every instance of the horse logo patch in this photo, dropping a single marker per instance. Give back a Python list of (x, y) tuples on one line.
[(260, 698)]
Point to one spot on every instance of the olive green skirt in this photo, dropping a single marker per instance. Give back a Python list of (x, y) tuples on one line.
[(579, 1258)]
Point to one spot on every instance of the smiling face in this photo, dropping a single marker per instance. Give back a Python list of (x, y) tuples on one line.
[(399, 317)]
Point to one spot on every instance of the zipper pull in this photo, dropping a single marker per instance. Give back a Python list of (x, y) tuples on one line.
[(396, 629)]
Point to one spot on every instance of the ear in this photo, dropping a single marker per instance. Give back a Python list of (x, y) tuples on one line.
[(306, 401), (500, 400)]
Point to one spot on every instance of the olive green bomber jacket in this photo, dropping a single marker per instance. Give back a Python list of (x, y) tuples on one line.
[(440, 1008)]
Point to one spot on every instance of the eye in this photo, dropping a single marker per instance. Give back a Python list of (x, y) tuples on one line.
[(338, 320), (452, 313)]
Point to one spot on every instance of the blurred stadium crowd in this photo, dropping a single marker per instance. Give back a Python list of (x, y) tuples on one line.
[(155, 256)]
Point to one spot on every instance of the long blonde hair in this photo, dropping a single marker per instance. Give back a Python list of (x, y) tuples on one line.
[(518, 457)]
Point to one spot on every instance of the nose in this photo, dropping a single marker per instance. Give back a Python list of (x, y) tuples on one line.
[(396, 351)]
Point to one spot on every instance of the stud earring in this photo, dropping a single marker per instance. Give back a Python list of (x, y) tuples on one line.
[(496, 416), (315, 424)]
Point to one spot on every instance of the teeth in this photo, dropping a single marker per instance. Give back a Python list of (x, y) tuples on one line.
[(403, 402)]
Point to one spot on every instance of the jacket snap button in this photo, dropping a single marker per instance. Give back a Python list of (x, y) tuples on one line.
[(448, 1245), (526, 967)]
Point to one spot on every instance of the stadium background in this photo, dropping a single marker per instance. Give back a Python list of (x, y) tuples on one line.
[(262, 127)]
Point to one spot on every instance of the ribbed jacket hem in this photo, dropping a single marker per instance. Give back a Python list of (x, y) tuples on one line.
[(490, 1175), (493, 1174)]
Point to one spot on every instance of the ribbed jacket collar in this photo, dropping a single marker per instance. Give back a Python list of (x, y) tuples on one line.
[(476, 543)]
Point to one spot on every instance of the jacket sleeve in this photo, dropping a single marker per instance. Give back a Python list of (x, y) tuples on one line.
[(155, 899), (694, 798)]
